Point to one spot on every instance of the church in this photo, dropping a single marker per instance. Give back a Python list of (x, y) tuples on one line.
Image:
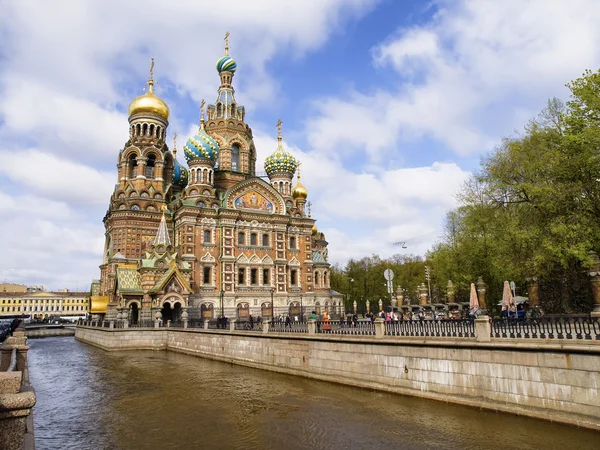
[(213, 239)]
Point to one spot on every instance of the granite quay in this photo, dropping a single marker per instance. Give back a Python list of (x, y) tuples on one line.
[(547, 370), (17, 397)]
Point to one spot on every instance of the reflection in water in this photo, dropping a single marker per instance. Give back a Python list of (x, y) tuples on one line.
[(91, 399)]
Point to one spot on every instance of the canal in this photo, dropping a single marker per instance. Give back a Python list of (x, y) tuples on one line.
[(91, 399)]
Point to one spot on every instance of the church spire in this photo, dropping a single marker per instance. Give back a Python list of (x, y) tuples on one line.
[(162, 235)]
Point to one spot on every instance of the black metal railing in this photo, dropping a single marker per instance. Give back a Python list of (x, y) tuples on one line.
[(362, 327), (460, 328), (196, 323), (142, 324), (556, 327), (177, 323), (292, 327), (248, 326)]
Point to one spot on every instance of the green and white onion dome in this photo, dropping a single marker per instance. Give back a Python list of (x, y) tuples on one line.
[(226, 64)]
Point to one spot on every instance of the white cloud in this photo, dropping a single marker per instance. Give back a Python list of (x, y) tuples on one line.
[(365, 213), (58, 179), (466, 77)]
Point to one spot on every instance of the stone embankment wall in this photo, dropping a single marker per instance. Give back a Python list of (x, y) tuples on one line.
[(17, 397), (52, 330), (556, 381)]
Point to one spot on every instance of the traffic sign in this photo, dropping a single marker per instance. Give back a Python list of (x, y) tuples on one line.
[(388, 274)]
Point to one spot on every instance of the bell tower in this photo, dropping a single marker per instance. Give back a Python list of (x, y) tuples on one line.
[(225, 124)]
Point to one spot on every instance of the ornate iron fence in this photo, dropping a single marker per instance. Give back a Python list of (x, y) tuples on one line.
[(556, 327), (292, 327), (142, 324), (248, 326), (363, 328), (462, 328), (196, 323)]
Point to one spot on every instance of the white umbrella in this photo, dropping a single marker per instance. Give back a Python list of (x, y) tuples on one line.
[(473, 301), (507, 298)]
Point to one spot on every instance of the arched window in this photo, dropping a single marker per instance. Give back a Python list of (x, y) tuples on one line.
[(325, 279), (317, 278), (235, 157), (241, 238), (206, 276), (265, 240), (219, 109), (253, 239), (207, 236), (138, 129), (145, 129), (152, 130), (150, 166), (132, 166)]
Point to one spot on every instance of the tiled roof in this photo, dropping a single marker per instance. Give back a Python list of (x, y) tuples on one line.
[(129, 280)]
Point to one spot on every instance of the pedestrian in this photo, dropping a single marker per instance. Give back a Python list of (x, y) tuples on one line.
[(288, 321)]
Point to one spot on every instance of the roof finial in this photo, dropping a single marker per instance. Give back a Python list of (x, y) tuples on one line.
[(279, 122), (299, 164), (175, 145), (151, 78), (202, 103), (309, 204), (227, 43)]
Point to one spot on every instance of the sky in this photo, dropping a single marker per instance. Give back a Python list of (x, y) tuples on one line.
[(388, 104)]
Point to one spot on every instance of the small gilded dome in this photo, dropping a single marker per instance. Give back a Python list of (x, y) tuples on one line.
[(149, 103), (281, 161), (180, 174), (299, 192), (201, 146), (314, 229), (226, 64)]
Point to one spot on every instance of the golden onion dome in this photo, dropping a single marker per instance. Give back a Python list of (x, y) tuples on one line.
[(149, 103), (299, 192), (314, 229)]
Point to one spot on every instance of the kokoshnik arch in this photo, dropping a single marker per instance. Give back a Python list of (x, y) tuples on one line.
[(215, 239)]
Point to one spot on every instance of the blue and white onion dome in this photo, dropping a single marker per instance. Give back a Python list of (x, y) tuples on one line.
[(281, 161), (226, 64), (180, 174), (201, 146)]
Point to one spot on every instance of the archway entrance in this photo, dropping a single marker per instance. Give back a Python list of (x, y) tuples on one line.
[(134, 313), (167, 312)]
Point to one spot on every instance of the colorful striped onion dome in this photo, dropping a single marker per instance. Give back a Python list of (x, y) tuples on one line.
[(226, 64)]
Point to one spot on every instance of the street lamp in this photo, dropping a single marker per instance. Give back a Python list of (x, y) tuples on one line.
[(301, 309), (222, 312), (351, 289), (272, 313)]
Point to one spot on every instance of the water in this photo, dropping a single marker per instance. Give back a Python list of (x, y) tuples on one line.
[(92, 399)]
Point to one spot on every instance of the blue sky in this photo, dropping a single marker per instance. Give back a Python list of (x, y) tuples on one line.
[(389, 105)]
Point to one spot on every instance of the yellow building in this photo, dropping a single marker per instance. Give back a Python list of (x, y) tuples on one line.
[(44, 305)]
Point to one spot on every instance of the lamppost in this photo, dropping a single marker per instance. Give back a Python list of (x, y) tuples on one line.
[(351, 289), (272, 309), (301, 309), (222, 312)]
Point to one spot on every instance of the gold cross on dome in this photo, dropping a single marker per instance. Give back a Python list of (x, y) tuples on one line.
[(152, 69), (299, 165), (175, 145), (227, 43), (202, 103), (309, 204), (279, 123)]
